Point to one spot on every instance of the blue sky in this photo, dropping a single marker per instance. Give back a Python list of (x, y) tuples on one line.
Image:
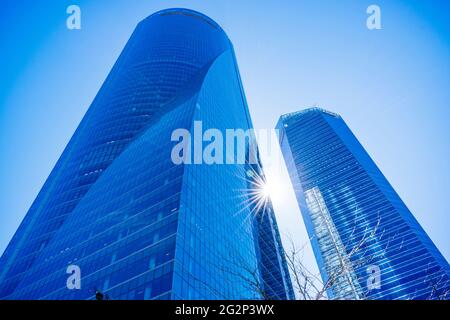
[(390, 85)]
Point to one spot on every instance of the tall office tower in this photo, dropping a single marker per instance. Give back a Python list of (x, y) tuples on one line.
[(367, 243), (135, 223)]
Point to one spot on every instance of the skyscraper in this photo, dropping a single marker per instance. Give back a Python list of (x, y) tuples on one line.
[(134, 223), (367, 243)]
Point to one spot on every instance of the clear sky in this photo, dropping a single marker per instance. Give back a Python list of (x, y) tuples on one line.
[(390, 85)]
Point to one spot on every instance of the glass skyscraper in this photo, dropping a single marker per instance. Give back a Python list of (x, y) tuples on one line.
[(367, 243), (138, 225)]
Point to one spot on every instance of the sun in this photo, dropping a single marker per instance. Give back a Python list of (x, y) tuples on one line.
[(266, 190), (262, 191), (271, 189)]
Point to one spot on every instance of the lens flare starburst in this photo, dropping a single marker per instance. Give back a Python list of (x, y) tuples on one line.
[(257, 196)]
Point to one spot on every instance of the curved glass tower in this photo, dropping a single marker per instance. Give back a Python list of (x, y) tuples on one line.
[(367, 243), (137, 225)]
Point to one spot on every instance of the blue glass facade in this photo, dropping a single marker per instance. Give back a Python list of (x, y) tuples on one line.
[(138, 225), (364, 237)]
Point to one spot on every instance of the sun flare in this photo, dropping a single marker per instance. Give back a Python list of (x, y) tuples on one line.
[(272, 189)]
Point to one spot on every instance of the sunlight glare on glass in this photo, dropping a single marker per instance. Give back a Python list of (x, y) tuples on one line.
[(272, 188)]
